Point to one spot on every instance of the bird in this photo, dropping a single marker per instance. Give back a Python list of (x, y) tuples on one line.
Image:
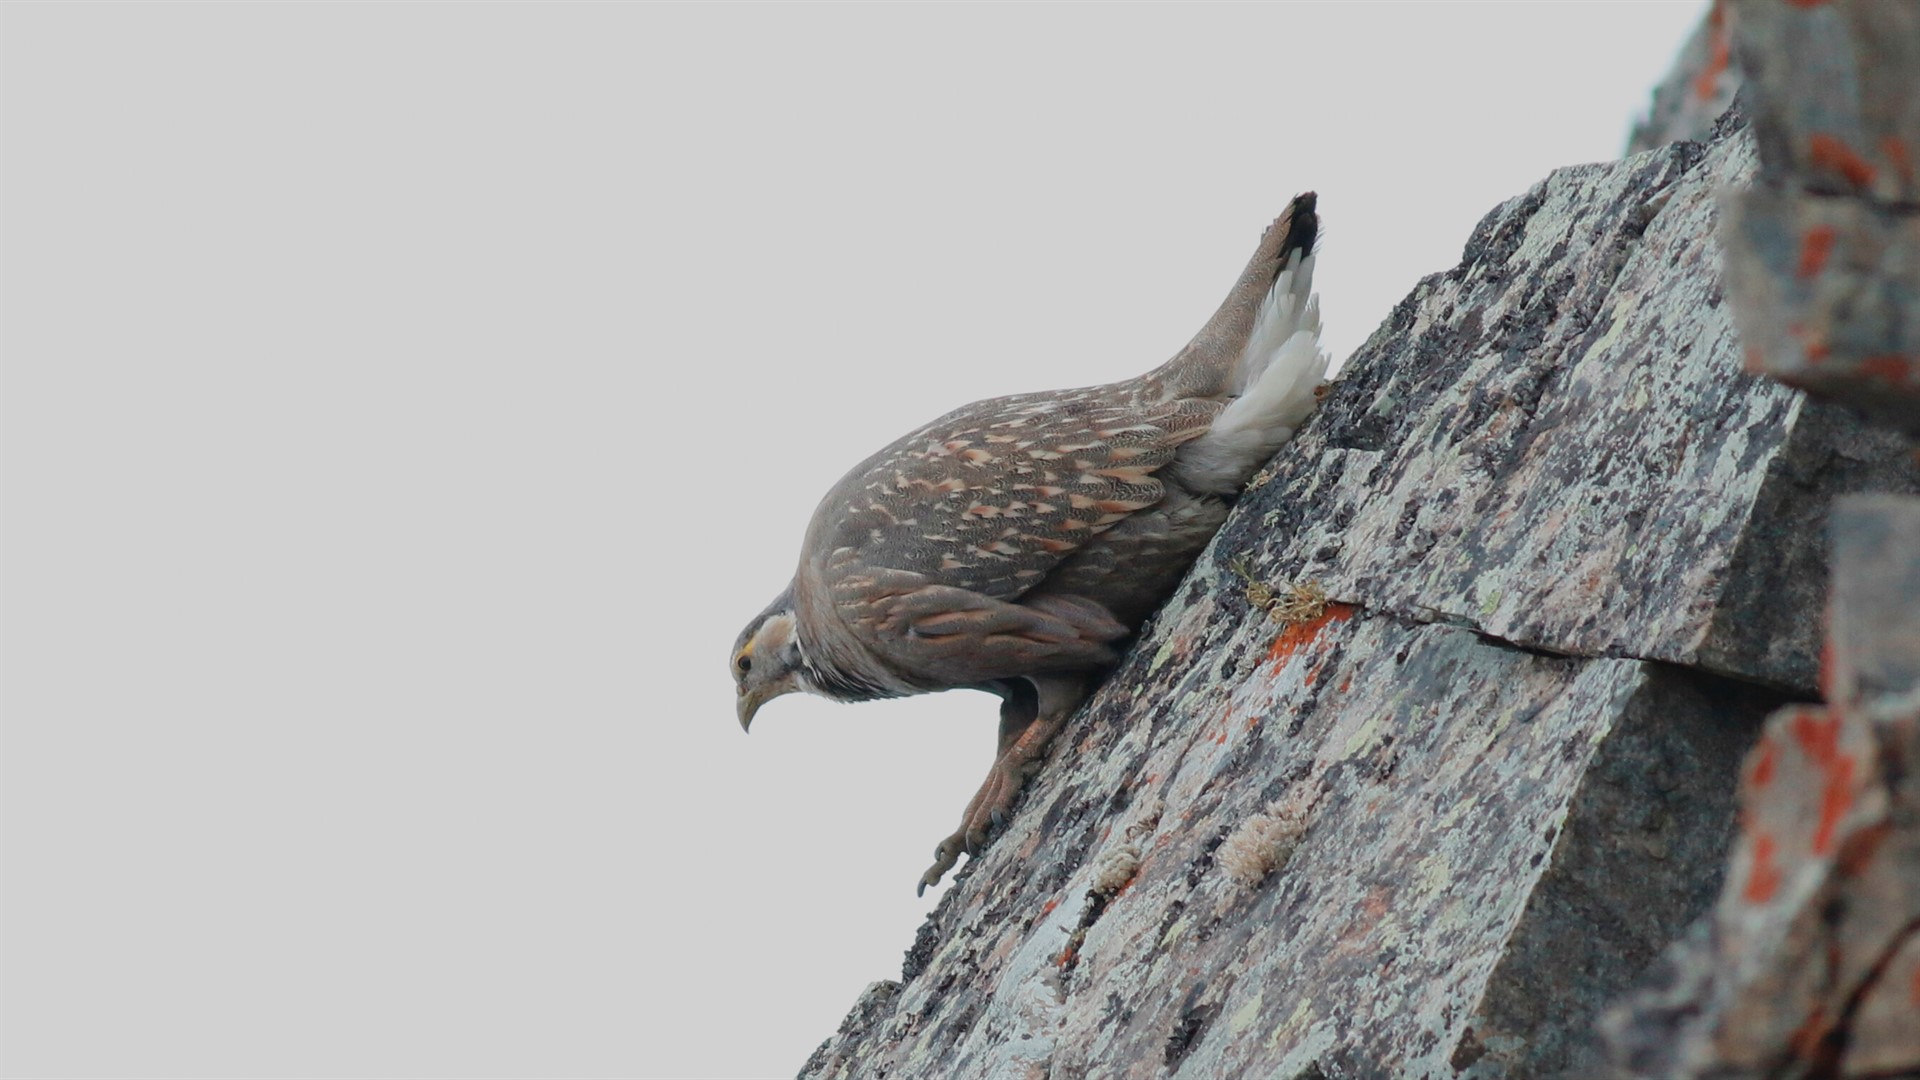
[(1014, 545)]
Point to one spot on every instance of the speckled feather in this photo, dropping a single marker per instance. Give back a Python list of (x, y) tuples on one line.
[(924, 546), (990, 497)]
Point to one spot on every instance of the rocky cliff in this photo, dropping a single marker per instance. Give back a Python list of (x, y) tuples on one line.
[(1438, 749), (1809, 963)]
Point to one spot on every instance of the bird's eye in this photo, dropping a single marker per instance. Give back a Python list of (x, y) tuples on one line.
[(745, 663)]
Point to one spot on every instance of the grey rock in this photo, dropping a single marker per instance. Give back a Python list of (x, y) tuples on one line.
[(1823, 253), (1700, 86), (1496, 843), (1555, 443), (1875, 633), (1836, 94), (1809, 964), (875, 1003)]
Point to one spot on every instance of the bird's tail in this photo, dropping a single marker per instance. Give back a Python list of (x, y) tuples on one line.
[(1275, 382)]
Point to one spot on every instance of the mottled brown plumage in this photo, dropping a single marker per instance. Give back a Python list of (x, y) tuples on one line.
[(1013, 543)]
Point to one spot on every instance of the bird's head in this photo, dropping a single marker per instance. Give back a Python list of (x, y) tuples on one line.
[(766, 658)]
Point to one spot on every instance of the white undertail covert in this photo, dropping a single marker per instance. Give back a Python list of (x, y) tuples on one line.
[(1276, 378)]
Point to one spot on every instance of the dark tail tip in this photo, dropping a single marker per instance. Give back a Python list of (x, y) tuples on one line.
[(1303, 225)]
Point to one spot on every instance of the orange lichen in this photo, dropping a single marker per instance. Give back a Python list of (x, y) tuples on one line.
[(1896, 153), (1719, 53), (1765, 757), (1764, 879), (1805, 1042), (1293, 638), (1836, 797), (1047, 908), (1818, 733), (1891, 369), (1814, 351), (1828, 152), (1815, 247)]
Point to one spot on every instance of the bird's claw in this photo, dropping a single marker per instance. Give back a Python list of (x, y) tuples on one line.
[(944, 856), (986, 815)]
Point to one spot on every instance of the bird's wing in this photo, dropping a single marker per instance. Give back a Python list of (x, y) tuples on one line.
[(936, 536), (989, 497)]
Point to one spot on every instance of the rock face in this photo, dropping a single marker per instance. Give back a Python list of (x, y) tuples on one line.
[(1809, 964), (1823, 253), (1438, 747)]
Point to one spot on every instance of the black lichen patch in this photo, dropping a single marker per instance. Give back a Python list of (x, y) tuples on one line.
[(1190, 1026), (926, 941)]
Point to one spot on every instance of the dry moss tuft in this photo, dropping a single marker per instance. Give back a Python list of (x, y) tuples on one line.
[(1262, 844), (1299, 604), (1288, 602), (1115, 868)]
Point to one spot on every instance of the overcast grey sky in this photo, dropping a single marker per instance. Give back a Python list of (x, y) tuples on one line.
[(405, 405)]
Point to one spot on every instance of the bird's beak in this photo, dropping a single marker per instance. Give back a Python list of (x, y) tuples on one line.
[(750, 702)]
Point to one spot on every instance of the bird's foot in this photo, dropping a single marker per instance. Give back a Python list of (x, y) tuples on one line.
[(988, 811), (944, 857), (991, 807)]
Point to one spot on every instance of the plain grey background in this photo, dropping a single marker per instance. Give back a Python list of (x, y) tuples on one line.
[(405, 405)]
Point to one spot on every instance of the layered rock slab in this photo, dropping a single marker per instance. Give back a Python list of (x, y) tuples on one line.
[(1809, 965), (1459, 885), (1556, 443)]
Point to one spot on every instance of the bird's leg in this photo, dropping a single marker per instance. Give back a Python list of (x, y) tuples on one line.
[(1017, 714), (1029, 719), (1018, 707)]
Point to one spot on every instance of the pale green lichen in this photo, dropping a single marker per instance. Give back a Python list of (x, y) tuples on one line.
[(1301, 1012), (1162, 655), (1454, 813), (1363, 739), (1173, 933), (1432, 874), (1245, 1015), (1490, 596)]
